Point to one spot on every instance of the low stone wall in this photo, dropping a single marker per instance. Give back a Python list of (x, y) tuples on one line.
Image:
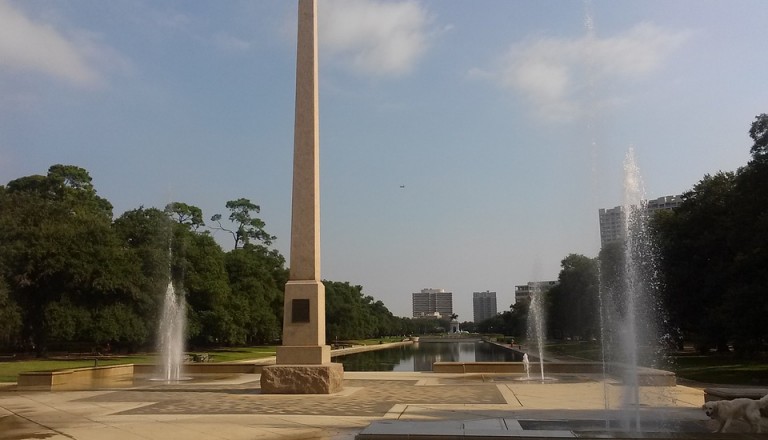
[(515, 367), (733, 393), (205, 368), (646, 376), (478, 367), (651, 377), (363, 348), (74, 378)]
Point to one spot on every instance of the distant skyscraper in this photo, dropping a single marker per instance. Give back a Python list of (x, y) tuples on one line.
[(483, 305), (523, 292), (612, 220), (611, 225), (432, 302)]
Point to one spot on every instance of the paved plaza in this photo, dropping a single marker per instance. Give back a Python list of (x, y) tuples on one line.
[(232, 407)]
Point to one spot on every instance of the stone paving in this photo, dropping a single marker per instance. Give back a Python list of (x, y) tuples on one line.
[(371, 398), (233, 408)]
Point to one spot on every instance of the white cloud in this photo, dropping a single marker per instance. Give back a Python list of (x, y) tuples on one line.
[(26, 45), (552, 73), (374, 37)]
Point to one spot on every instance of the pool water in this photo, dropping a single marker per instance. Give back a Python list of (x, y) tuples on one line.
[(420, 356)]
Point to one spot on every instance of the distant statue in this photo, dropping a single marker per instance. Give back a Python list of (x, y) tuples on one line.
[(455, 323)]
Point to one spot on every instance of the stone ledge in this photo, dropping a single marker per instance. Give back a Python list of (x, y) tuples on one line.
[(72, 378), (250, 367), (733, 393), (646, 376)]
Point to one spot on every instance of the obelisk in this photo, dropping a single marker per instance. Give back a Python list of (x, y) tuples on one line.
[(304, 360)]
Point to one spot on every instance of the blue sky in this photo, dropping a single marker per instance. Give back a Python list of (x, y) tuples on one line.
[(506, 121)]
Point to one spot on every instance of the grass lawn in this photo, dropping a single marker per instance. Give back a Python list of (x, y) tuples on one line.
[(9, 370), (720, 369), (590, 351), (239, 353), (712, 369)]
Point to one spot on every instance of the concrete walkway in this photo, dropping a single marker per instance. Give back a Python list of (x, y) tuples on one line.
[(232, 407)]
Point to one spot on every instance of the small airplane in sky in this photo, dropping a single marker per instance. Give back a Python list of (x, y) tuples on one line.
[(402, 186)]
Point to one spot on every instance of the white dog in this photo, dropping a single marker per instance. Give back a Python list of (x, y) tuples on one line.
[(726, 411)]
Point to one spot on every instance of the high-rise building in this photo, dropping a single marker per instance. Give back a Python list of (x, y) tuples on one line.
[(432, 303), (483, 305), (613, 223), (523, 292)]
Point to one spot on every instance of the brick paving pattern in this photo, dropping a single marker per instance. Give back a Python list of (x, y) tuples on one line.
[(371, 398)]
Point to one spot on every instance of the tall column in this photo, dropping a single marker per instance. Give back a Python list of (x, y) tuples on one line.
[(305, 222), (304, 360), (304, 311)]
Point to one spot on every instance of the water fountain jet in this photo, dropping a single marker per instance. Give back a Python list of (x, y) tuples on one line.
[(171, 332), (527, 366), (536, 323), (627, 292)]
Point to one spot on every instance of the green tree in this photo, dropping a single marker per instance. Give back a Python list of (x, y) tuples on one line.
[(573, 303), (346, 317), (759, 134), (246, 227), (696, 259), (350, 314), (386, 323), (611, 260), (184, 214), (511, 322), (146, 234), (256, 277), (747, 303), (10, 318), (200, 265), (168, 248), (714, 251), (61, 256), (407, 326), (469, 326)]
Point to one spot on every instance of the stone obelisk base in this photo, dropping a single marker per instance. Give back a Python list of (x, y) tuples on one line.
[(302, 379)]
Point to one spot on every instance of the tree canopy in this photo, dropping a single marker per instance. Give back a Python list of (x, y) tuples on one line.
[(71, 277), (246, 227), (714, 251), (759, 134), (573, 302)]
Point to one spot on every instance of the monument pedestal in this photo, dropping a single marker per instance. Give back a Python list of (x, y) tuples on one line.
[(302, 379)]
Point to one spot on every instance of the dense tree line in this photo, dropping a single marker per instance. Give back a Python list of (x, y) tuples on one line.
[(714, 255), (73, 277), (510, 322), (570, 307), (573, 302)]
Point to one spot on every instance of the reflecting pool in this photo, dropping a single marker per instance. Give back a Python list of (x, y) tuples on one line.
[(421, 355)]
